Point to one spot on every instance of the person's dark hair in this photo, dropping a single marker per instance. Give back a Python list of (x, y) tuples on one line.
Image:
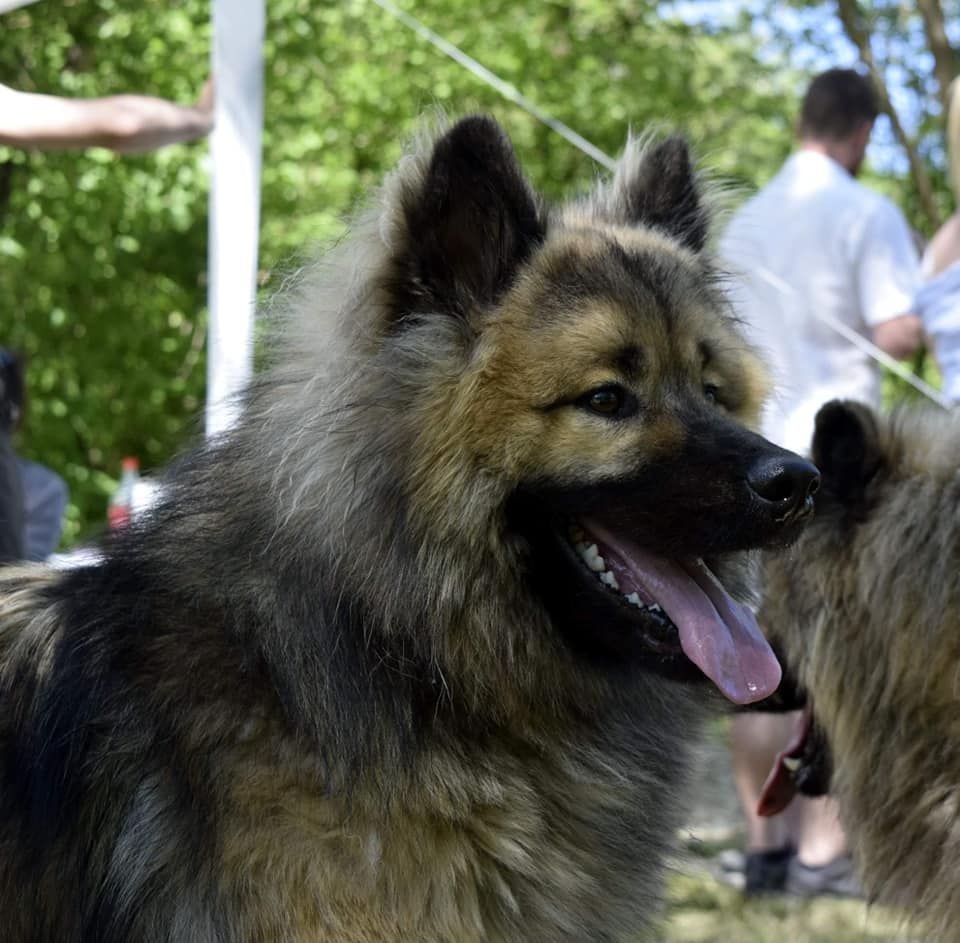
[(838, 103), (12, 391)]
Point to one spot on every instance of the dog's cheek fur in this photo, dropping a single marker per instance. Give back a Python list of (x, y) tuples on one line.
[(542, 350)]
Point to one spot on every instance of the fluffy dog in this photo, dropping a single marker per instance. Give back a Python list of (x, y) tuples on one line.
[(417, 651), (866, 608)]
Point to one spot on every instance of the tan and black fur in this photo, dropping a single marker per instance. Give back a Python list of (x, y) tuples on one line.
[(348, 684), (866, 607)]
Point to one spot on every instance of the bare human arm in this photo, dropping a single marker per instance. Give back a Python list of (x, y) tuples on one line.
[(127, 124), (899, 337), (944, 248), (888, 275)]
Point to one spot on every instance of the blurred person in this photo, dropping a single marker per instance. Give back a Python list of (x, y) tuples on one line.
[(45, 496), (127, 124), (815, 244), (11, 489), (42, 493), (938, 301)]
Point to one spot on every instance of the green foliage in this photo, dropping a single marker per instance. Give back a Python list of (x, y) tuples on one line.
[(103, 258), (701, 909), (348, 84)]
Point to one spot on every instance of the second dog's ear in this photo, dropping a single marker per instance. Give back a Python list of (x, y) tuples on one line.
[(656, 186), (846, 449), (469, 224)]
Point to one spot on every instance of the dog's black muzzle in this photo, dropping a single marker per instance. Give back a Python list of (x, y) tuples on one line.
[(723, 489)]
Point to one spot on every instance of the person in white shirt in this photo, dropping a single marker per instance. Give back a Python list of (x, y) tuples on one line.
[(814, 257), (938, 301), (815, 249)]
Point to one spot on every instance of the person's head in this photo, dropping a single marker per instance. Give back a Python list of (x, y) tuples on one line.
[(837, 116)]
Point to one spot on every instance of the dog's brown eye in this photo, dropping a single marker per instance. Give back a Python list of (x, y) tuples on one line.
[(613, 402)]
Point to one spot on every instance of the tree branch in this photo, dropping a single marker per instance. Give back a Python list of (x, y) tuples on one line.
[(851, 17), (945, 64)]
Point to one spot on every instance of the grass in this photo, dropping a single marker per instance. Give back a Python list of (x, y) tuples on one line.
[(703, 909)]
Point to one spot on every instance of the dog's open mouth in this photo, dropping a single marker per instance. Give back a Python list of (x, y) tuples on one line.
[(804, 766), (681, 607)]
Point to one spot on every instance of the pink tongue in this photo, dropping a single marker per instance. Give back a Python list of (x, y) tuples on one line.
[(718, 634), (781, 785)]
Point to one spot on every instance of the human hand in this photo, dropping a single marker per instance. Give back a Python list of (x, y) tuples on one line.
[(207, 99)]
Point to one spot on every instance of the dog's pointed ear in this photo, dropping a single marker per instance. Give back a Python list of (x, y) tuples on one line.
[(846, 449), (468, 225), (656, 186)]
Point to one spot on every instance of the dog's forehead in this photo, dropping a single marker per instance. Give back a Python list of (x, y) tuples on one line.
[(629, 282)]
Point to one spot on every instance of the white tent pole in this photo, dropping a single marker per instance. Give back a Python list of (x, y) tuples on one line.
[(238, 31), (7, 5)]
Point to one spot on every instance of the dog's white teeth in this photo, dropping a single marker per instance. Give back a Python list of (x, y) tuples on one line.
[(634, 599), (609, 579), (594, 560), (655, 607), (792, 763), (591, 556)]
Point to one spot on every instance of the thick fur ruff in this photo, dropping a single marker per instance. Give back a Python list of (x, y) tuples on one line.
[(319, 695), (866, 607)]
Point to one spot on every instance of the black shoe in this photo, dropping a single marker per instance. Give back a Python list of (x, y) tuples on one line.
[(765, 872), (836, 879)]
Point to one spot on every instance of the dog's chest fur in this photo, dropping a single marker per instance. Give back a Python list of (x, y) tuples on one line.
[(513, 843)]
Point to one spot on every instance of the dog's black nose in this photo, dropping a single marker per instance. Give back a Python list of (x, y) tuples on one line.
[(786, 482)]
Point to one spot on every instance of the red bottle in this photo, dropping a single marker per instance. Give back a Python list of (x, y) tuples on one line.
[(120, 508)]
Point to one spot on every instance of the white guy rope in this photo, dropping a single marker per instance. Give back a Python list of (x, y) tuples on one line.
[(504, 88), (859, 341), (594, 152)]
